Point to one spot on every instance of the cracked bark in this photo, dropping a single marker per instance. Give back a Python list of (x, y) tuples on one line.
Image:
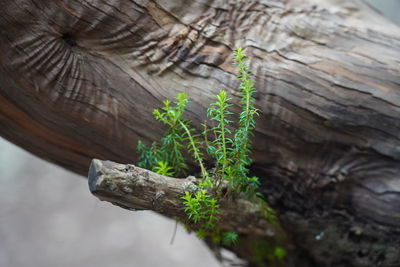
[(134, 188), (79, 80)]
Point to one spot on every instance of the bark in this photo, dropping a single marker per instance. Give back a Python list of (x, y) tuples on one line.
[(79, 79), (135, 188)]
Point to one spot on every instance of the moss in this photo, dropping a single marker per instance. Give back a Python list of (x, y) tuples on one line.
[(264, 252)]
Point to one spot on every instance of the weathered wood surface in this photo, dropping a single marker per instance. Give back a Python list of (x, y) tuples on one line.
[(135, 188), (78, 80)]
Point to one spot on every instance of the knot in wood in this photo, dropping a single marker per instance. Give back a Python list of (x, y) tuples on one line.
[(69, 39), (190, 184), (126, 189), (160, 195)]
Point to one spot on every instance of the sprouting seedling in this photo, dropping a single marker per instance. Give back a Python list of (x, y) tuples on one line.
[(230, 149), (220, 146)]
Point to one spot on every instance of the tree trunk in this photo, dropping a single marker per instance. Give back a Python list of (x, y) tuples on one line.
[(79, 79)]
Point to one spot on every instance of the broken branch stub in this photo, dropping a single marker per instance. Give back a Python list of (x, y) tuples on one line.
[(135, 188)]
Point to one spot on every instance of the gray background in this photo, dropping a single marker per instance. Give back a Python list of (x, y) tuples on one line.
[(48, 218), (389, 8)]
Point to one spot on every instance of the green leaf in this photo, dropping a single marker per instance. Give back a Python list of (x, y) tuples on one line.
[(280, 253), (163, 168), (230, 238)]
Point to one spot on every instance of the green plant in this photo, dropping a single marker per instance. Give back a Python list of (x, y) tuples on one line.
[(163, 168), (242, 142), (230, 238), (219, 148), (169, 149), (201, 208), (229, 148)]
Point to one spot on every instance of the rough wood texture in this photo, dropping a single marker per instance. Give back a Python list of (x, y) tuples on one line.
[(135, 188), (79, 80)]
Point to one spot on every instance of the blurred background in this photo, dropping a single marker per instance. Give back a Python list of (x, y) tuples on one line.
[(49, 218), (388, 8)]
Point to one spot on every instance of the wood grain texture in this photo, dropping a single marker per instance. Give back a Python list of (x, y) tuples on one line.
[(79, 80)]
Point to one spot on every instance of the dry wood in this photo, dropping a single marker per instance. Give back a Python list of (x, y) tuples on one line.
[(134, 188)]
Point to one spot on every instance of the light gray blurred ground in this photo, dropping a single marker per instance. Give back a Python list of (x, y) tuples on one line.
[(48, 218), (389, 8)]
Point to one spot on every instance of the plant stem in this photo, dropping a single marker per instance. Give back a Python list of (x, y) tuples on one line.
[(195, 150), (224, 161)]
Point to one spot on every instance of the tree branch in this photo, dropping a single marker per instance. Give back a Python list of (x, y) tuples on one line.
[(134, 188)]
